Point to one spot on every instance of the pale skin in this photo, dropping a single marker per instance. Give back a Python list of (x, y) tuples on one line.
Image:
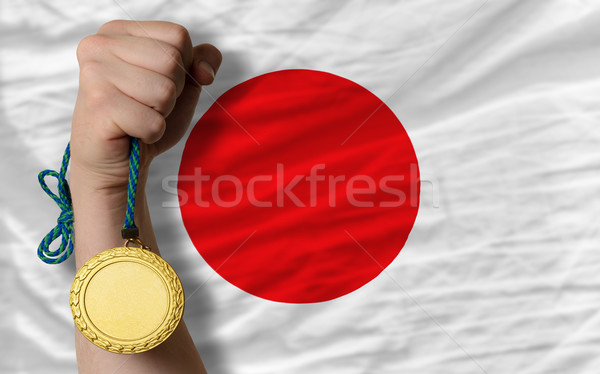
[(137, 79)]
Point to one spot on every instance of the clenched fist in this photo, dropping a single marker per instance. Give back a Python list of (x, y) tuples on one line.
[(139, 79)]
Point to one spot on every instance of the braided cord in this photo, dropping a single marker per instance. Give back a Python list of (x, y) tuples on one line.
[(134, 170), (64, 224)]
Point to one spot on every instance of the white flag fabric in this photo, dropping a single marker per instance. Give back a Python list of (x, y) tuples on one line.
[(501, 271)]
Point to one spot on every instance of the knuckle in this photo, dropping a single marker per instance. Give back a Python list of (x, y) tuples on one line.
[(173, 59), (180, 35), (155, 126), (90, 72), (111, 25), (166, 91), (97, 98), (90, 46)]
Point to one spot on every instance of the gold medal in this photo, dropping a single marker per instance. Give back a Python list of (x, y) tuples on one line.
[(127, 299)]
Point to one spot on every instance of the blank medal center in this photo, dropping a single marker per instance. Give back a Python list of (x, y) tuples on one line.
[(126, 300)]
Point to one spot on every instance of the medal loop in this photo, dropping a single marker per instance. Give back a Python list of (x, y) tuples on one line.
[(136, 241)]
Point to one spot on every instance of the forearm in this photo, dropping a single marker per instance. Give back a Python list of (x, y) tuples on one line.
[(98, 219)]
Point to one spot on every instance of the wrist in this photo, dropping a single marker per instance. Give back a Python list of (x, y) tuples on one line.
[(99, 211), (106, 190)]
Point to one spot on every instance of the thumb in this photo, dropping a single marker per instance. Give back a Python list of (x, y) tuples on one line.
[(206, 62)]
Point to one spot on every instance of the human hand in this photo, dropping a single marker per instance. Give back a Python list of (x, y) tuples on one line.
[(137, 79)]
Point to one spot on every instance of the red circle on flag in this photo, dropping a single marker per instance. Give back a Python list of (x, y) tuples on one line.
[(298, 186)]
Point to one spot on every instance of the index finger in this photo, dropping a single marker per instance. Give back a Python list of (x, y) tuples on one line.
[(168, 32)]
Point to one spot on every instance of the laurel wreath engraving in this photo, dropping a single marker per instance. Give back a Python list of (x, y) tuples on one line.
[(97, 337)]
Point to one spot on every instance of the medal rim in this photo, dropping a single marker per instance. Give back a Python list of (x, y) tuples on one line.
[(145, 258)]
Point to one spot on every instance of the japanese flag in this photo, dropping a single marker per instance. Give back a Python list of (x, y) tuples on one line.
[(462, 239)]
